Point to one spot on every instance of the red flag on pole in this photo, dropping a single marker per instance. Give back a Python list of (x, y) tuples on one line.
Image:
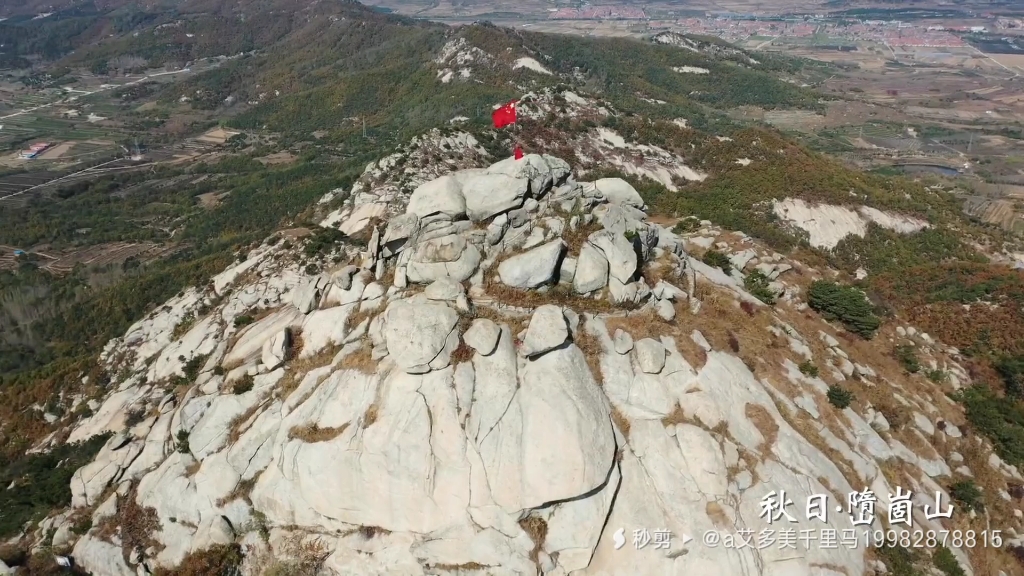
[(518, 152), (504, 115)]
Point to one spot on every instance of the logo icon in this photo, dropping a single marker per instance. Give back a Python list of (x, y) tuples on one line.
[(619, 539)]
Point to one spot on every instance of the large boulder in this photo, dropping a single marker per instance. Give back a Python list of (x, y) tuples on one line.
[(399, 230), (482, 336), (449, 256), (591, 270), (307, 296), (554, 441), (101, 557), (547, 331), (440, 196), (490, 194), (534, 268), (543, 172), (618, 191), (275, 350), (416, 333), (618, 251)]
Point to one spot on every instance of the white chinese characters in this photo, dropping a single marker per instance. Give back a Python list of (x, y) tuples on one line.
[(859, 506)]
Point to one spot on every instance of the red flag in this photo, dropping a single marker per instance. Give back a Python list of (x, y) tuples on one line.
[(518, 152), (505, 115)]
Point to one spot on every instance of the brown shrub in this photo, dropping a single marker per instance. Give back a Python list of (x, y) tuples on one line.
[(295, 345), (219, 559), (137, 523), (313, 433), (462, 354), (367, 532), (537, 529), (748, 307), (734, 343)]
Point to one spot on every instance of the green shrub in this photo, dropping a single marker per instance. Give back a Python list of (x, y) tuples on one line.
[(718, 260), (757, 284), (907, 357), (845, 304), (244, 385), (968, 495), (1001, 420), (807, 368), (1011, 368), (839, 397), (243, 320), (938, 376), (688, 224), (33, 484), (181, 441), (946, 563), (900, 561)]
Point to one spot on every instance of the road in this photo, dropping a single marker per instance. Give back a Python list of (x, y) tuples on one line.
[(79, 94)]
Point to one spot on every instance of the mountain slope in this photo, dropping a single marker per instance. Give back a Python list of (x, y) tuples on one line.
[(398, 420), (388, 384)]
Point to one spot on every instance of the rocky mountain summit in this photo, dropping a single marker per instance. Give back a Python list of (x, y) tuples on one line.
[(492, 369)]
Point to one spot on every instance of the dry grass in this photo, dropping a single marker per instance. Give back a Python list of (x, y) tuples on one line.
[(193, 468), (592, 350), (718, 516), (560, 294), (357, 316), (370, 416), (765, 424), (574, 239), (312, 434), (466, 567), (727, 327), (298, 369), (537, 529), (621, 421), (676, 417), (361, 359), (641, 324), (806, 427), (241, 491), (235, 430), (302, 557)]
